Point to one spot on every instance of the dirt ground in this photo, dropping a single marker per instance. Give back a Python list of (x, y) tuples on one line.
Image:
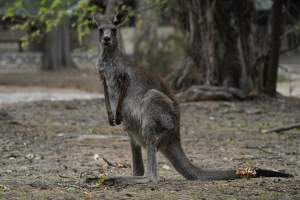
[(82, 79), (48, 148)]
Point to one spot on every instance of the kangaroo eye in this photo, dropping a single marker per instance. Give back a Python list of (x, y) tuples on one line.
[(101, 31), (114, 30)]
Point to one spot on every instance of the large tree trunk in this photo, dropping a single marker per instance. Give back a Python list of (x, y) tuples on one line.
[(221, 48), (57, 49)]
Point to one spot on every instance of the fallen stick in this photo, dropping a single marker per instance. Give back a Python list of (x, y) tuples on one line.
[(286, 128), (108, 162), (63, 176)]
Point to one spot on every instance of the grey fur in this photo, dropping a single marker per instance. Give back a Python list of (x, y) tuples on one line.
[(137, 159), (149, 113)]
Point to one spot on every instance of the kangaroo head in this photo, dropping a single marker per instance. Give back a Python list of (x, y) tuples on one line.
[(109, 28)]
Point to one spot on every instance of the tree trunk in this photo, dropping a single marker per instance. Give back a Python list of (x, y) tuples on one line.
[(56, 48), (220, 43), (221, 48), (146, 36), (278, 14)]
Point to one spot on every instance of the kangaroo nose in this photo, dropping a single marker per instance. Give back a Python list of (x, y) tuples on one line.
[(106, 39)]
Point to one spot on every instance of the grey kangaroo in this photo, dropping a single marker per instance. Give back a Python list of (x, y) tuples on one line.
[(149, 113)]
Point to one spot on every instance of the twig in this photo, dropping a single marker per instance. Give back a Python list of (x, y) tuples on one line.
[(108, 162), (290, 48), (260, 149), (287, 70), (63, 176), (286, 128), (266, 56), (146, 8)]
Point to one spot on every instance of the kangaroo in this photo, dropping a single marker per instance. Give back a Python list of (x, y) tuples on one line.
[(149, 113)]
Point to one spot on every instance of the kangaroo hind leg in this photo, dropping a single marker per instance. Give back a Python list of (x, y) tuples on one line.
[(151, 176), (137, 159), (152, 170)]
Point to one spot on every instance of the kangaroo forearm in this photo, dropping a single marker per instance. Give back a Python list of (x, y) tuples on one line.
[(107, 104), (111, 119), (124, 83), (106, 96)]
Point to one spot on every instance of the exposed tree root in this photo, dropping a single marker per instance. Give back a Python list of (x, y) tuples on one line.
[(185, 75), (202, 93)]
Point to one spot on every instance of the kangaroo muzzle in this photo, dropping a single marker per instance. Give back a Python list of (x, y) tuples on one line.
[(107, 37)]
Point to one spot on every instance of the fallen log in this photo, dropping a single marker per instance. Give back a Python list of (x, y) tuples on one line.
[(203, 93)]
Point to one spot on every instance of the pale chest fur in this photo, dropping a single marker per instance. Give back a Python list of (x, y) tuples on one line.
[(112, 75), (131, 105)]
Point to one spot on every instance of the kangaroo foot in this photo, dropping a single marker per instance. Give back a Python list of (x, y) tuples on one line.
[(126, 180)]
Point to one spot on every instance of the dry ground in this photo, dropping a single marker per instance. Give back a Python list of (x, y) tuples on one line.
[(45, 147), (82, 79)]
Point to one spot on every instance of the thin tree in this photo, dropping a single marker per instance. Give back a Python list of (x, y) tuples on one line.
[(278, 15), (57, 49)]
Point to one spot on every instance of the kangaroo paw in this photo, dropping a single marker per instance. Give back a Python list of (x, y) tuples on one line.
[(111, 121)]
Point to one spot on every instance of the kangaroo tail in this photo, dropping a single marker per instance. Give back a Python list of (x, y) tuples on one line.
[(181, 163)]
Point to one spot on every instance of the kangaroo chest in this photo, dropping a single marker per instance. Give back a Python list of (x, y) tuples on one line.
[(112, 76), (131, 111)]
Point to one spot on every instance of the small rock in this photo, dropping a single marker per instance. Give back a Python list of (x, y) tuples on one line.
[(4, 115), (96, 157), (166, 167), (39, 184), (212, 118), (29, 156)]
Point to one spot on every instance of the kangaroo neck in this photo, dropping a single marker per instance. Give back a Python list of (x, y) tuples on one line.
[(109, 54)]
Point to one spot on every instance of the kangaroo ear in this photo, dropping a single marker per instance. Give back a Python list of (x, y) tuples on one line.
[(99, 19), (119, 18)]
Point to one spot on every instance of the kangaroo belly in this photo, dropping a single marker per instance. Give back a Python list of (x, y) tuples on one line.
[(132, 119), (133, 131), (113, 98)]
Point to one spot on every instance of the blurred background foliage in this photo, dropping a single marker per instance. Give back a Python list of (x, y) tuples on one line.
[(150, 49), (174, 38)]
